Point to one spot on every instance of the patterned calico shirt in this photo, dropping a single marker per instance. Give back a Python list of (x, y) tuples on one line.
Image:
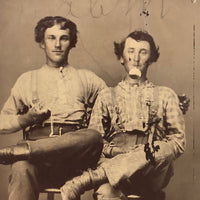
[(129, 107), (66, 93)]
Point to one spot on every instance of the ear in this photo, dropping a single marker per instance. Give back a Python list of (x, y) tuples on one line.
[(121, 60), (42, 45)]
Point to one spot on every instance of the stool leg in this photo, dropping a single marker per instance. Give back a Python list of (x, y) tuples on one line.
[(50, 196)]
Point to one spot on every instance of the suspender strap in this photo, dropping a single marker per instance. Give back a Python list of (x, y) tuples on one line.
[(117, 119), (153, 110), (149, 148), (35, 97)]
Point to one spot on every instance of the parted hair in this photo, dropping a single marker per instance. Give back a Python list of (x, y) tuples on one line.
[(49, 21), (138, 36)]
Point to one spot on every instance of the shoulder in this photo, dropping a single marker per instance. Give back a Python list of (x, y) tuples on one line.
[(86, 73), (166, 93), (23, 83), (105, 95), (90, 77), (25, 77)]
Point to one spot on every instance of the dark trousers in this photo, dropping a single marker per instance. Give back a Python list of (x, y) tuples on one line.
[(53, 161)]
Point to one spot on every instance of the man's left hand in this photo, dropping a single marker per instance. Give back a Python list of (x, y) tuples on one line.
[(184, 103)]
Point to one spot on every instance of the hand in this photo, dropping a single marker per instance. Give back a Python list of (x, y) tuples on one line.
[(184, 103), (117, 150), (37, 114)]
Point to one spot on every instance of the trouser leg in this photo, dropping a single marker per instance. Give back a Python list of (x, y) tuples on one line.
[(159, 176), (81, 148), (59, 157), (23, 182), (123, 166), (146, 183), (149, 181), (133, 174)]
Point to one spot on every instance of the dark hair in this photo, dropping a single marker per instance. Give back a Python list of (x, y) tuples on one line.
[(50, 21), (138, 36)]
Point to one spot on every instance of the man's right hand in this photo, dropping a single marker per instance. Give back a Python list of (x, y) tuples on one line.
[(117, 150), (35, 115)]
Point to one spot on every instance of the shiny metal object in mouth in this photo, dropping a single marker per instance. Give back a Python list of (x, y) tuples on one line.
[(135, 72)]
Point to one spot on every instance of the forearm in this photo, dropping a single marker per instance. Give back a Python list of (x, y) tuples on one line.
[(174, 125), (9, 124), (12, 123)]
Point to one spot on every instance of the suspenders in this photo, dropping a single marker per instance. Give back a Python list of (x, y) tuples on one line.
[(153, 120), (117, 122), (153, 106), (35, 97)]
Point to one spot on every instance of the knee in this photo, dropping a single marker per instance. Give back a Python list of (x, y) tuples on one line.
[(93, 137), (107, 192), (162, 175), (23, 181), (165, 164), (21, 169)]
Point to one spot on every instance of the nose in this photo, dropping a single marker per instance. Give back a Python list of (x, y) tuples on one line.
[(57, 44), (136, 57)]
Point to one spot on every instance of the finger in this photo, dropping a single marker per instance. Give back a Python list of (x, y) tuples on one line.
[(182, 95), (187, 100)]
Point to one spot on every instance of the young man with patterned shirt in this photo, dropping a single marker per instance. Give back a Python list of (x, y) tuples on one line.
[(52, 105), (143, 130)]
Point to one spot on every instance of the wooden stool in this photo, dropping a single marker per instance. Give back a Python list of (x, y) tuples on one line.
[(50, 192)]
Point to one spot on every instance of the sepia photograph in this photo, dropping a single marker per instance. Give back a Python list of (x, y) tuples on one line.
[(99, 100)]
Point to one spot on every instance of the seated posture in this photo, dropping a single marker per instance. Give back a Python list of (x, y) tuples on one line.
[(52, 105), (142, 126)]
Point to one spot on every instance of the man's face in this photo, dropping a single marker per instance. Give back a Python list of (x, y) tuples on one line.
[(56, 45), (135, 57)]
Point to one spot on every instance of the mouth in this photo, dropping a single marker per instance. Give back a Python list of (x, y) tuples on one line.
[(135, 73), (58, 52)]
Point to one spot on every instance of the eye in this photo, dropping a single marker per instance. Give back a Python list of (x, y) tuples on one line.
[(143, 52), (131, 51), (65, 38), (51, 37)]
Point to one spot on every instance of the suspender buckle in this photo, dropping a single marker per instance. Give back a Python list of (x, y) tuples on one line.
[(60, 129)]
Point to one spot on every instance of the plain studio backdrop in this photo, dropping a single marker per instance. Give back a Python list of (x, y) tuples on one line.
[(175, 26)]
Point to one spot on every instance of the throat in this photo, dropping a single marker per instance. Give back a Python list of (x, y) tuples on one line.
[(134, 79)]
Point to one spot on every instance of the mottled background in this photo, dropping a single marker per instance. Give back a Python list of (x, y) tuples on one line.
[(175, 27)]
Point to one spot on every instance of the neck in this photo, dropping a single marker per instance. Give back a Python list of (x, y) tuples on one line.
[(135, 80), (56, 65)]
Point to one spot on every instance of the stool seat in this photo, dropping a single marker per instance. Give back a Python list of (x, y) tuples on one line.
[(50, 192), (133, 197)]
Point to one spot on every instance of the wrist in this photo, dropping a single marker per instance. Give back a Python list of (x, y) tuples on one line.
[(108, 151), (24, 121)]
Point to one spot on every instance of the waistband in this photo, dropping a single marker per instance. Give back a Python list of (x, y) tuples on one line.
[(48, 130), (129, 138)]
